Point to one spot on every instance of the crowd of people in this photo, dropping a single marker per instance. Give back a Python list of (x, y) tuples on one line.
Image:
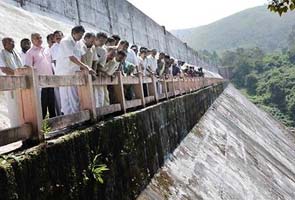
[(100, 54)]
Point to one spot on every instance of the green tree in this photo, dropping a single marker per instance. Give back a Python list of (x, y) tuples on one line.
[(281, 6)]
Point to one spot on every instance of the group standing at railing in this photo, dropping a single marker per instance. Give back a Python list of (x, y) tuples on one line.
[(98, 54)]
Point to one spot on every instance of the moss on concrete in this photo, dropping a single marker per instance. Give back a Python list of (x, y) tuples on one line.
[(133, 146)]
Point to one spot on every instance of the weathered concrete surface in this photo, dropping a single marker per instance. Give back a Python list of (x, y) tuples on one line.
[(236, 151), (112, 16), (133, 146)]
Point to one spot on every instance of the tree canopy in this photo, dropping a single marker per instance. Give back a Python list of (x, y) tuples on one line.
[(281, 6)]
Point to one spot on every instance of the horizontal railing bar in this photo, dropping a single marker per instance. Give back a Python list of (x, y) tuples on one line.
[(108, 109), (13, 83), (107, 80), (63, 121), (147, 80), (133, 103), (46, 81), (130, 80), (11, 135), (149, 99)]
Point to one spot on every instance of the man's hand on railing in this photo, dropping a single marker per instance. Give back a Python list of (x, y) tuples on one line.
[(7, 70), (89, 69)]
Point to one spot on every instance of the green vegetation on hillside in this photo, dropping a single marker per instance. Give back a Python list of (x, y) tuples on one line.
[(255, 27), (267, 79)]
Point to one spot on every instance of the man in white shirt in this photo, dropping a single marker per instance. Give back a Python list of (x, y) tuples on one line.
[(142, 67), (142, 61), (152, 62), (9, 61), (99, 91), (69, 62), (131, 55), (25, 45), (57, 37), (89, 56)]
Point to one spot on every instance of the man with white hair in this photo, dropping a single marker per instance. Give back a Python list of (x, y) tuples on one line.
[(40, 59), (9, 61)]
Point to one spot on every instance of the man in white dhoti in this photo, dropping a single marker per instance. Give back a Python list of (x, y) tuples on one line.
[(113, 61), (67, 63), (9, 61), (99, 91), (57, 37)]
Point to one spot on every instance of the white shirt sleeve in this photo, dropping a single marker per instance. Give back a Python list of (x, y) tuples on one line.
[(95, 57), (66, 49), (1, 60)]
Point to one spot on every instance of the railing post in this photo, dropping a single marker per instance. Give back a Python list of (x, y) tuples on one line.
[(138, 89), (166, 88), (30, 101), (153, 89), (86, 96), (119, 92), (179, 85)]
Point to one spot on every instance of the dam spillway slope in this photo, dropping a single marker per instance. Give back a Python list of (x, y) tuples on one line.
[(236, 151)]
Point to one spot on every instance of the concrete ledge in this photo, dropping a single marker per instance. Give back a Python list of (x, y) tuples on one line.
[(133, 146)]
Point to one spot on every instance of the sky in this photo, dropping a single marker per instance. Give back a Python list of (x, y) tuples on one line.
[(178, 14)]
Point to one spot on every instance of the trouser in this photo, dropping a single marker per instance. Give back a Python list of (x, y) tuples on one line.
[(101, 96), (48, 102), (69, 100), (129, 92), (145, 89), (110, 95), (57, 102)]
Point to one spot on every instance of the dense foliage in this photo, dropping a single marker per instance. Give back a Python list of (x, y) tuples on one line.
[(281, 6), (268, 79)]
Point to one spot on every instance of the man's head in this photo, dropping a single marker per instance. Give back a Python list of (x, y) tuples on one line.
[(171, 61), (101, 39), (36, 39), (134, 48), (143, 52), (123, 45), (57, 36), (167, 59), (50, 39), (78, 32), (154, 52), (111, 53), (117, 39), (111, 42), (161, 55), (121, 55), (8, 44), (89, 39), (25, 44), (149, 52)]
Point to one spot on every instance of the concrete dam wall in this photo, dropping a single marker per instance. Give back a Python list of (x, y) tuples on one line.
[(114, 17), (133, 146), (236, 151)]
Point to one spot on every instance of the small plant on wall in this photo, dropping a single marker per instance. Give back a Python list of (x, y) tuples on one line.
[(95, 171)]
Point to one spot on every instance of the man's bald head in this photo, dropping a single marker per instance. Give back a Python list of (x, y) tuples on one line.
[(8, 44)]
